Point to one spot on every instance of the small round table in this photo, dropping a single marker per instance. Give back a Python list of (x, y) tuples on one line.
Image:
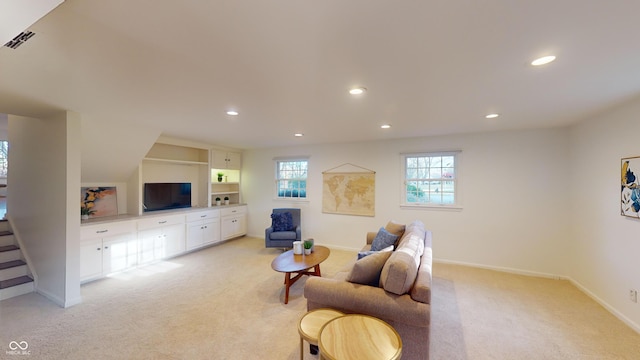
[(359, 337), (311, 323)]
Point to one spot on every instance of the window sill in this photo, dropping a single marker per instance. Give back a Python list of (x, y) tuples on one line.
[(431, 207), (295, 200)]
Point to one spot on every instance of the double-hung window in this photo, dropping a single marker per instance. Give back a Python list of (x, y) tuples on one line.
[(291, 178), (430, 179)]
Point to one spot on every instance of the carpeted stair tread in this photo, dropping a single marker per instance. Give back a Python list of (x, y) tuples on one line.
[(15, 281), (8, 248), (5, 233), (12, 263)]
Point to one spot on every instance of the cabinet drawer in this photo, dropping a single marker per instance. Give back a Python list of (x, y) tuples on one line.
[(203, 215), (157, 221), (236, 210), (107, 229)]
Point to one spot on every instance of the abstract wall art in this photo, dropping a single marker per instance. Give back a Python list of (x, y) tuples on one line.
[(630, 187), (98, 201)]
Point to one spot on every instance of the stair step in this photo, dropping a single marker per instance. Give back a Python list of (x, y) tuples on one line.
[(8, 248), (12, 263), (16, 287), (15, 282), (9, 253), (7, 239)]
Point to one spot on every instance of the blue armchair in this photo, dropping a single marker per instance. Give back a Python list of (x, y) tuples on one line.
[(275, 236)]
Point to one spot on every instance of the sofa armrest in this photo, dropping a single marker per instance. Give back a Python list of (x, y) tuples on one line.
[(363, 299), (370, 237)]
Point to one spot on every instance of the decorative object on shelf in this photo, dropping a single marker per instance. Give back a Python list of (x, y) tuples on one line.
[(630, 188), (226, 200), (297, 247), (349, 191), (217, 201), (98, 202), (220, 175), (307, 247)]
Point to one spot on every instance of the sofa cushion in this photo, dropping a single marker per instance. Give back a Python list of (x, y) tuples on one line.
[(364, 253), (282, 221), (400, 271), (367, 270), (415, 228), (395, 228), (383, 239)]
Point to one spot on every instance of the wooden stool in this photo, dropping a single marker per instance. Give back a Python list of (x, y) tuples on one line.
[(310, 325)]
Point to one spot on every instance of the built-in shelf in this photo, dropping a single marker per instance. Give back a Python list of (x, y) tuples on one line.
[(177, 161)]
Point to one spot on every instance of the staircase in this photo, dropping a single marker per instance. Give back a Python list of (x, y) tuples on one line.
[(15, 277)]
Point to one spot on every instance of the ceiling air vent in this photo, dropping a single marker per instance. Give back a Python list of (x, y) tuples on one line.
[(20, 39)]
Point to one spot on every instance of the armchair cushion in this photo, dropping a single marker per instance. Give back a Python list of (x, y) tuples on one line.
[(282, 221)]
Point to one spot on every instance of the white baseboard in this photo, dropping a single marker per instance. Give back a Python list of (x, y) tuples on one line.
[(604, 304), (502, 269), (610, 308)]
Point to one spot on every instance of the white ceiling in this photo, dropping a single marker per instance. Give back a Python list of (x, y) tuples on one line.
[(430, 67)]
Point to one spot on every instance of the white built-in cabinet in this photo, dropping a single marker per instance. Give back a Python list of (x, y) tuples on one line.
[(233, 222), (221, 159), (203, 228), (119, 245), (143, 238), (161, 237), (106, 248)]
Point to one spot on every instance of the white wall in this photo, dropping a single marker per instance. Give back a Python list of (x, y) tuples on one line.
[(43, 201), (514, 194), (605, 246)]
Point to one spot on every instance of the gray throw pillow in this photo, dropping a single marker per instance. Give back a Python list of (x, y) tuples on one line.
[(383, 239), (366, 271)]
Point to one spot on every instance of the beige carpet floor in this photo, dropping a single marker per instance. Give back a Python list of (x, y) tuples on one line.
[(225, 302)]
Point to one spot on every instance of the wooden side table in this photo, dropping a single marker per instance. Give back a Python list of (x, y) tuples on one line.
[(310, 325), (359, 337)]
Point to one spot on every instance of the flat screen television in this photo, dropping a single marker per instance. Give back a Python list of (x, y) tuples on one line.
[(165, 196)]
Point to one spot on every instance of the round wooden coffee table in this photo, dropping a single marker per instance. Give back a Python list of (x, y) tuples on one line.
[(359, 337), (290, 263)]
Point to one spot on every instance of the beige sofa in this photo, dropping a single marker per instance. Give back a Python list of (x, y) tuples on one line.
[(392, 286)]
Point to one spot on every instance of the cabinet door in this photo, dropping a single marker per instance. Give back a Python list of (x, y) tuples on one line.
[(218, 159), (211, 232), (173, 240), (120, 252), (150, 245), (234, 160), (194, 235), (90, 259), (230, 227)]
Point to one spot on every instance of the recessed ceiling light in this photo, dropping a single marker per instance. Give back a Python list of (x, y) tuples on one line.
[(357, 91), (492, 116), (385, 126), (543, 60), (232, 113), (298, 134)]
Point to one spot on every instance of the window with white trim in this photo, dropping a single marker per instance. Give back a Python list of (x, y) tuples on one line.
[(4, 158), (291, 179), (430, 179)]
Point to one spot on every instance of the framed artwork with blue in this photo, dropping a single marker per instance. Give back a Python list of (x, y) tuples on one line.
[(630, 187)]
